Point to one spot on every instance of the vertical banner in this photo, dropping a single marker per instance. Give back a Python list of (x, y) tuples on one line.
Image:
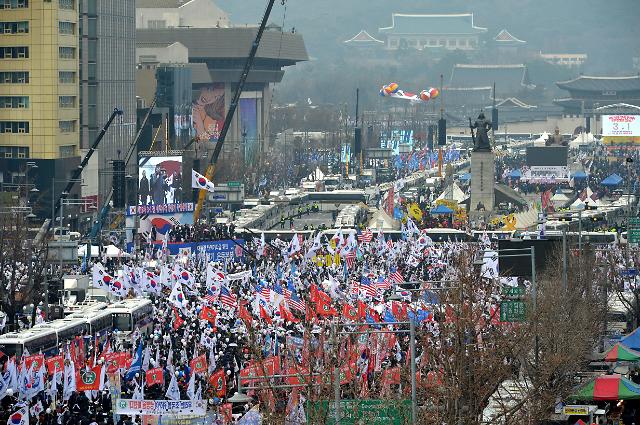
[(209, 113), (249, 128)]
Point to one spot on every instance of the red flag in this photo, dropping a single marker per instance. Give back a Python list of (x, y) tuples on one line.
[(313, 293), (54, 364), (218, 383), (155, 376), (76, 348), (225, 411), (115, 361), (245, 315), (286, 314), (324, 307), (88, 379), (362, 311), (399, 310), (391, 376), (37, 360), (209, 314), (177, 320), (310, 314), (199, 364), (349, 312), (264, 315)]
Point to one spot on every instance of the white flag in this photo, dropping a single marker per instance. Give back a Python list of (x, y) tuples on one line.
[(199, 181), (191, 388), (173, 392)]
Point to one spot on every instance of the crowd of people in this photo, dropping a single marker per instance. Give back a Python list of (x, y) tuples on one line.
[(213, 321), (200, 232)]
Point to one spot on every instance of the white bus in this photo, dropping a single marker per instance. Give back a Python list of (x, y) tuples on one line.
[(96, 323), (35, 341), (132, 314), (65, 329)]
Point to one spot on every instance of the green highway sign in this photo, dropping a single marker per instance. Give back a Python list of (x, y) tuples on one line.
[(634, 221), (356, 412), (634, 235), (513, 311), (512, 291), (233, 184)]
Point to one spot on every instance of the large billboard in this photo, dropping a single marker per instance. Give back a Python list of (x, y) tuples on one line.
[(393, 140), (549, 156), (209, 112), (621, 125), (159, 180), (249, 127)]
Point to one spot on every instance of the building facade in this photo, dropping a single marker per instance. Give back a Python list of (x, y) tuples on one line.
[(589, 92), (39, 115), (421, 32), (107, 81), (179, 13)]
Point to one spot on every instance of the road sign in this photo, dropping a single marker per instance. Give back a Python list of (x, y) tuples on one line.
[(634, 235), (634, 221), (513, 311), (233, 184), (512, 291), (352, 412)]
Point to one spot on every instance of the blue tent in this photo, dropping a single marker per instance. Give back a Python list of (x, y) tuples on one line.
[(612, 180), (515, 174), (442, 209), (465, 177), (632, 340), (580, 175)]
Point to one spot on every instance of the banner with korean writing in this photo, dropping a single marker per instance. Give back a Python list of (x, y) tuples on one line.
[(161, 407), (212, 250)]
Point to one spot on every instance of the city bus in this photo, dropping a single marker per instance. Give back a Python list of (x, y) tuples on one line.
[(35, 341), (66, 329), (132, 314), (96, 323)]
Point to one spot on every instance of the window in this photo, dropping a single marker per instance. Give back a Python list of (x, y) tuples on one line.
[(67, 52), (67, 77), (18, 52), (14, 102), (68, 4), (67, 126), (156, 23), (67, 101), (14, 27), (14, 126), (68, 28), (67, 151), (14, 4), (14, 77)]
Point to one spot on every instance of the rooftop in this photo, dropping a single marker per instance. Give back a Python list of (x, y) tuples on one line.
[(228, 43), (460, 24), (600, 84), (505, 37), (160, 4), (509, 79), (363, 37)]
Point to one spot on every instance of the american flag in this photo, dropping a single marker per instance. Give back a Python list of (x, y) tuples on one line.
[(383, 283), (389, 243), (210, 297), (350, 258), (292, 299), (263, 289), (395, 276), (227, 298), (365, 236), (367, 287)]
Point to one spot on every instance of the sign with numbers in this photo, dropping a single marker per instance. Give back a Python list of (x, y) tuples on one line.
[(513, 311), (621, 125)]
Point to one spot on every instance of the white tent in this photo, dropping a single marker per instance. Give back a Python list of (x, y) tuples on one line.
[(454, 193), (583, 139), (113, 252), (542, 140), (382, 220), (317, 175), (560, 199)]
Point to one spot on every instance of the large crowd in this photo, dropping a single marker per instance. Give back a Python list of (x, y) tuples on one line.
[(212, 321)]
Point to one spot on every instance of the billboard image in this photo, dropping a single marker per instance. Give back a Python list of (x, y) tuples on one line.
[(249, 127), (208, 113), (397, 137), (159, 180), (163, 223), (621, 125)]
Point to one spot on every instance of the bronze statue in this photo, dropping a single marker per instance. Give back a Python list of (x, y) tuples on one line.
[(481, 141)]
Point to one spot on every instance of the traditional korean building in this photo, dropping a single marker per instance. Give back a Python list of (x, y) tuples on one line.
[(363, 40), (450, 32), (588, 92)]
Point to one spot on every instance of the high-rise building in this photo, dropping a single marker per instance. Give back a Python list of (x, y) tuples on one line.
[(107, 81), (38, 79)]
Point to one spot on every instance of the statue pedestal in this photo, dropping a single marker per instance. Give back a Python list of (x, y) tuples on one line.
[(482, 185)]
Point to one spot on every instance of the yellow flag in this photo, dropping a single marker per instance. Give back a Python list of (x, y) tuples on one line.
[(415, 211)]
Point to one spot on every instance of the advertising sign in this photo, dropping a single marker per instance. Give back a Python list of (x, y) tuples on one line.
[(549, 173), (249, 127), (578, 410), (621, 125), (161, 407), (163, 223), (209, 113), (159, 180), (161, 209)]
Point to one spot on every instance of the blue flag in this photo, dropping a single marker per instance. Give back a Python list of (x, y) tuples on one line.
[(389, 317), (136, 364)]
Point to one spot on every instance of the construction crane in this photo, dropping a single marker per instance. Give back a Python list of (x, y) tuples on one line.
[(211, 168), (106, 207), (75, 177)]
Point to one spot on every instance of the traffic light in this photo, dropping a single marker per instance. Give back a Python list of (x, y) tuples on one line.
[(442, 132)]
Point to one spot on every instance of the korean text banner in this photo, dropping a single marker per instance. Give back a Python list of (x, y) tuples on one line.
[(161, 407)]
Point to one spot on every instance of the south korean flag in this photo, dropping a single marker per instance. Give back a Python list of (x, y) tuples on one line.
[(199, 181)]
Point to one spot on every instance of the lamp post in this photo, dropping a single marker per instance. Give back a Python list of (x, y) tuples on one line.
[(34, 189)]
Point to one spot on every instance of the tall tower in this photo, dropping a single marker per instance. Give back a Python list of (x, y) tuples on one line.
[(39, 79)]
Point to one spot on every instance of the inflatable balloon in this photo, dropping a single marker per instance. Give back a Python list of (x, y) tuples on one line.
[(425, 95), (433, 93), (392, 88)]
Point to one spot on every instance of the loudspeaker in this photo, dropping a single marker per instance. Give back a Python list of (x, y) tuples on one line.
[(494, 118), (357, 141), (587, 123), (442, 132), (430, 131), (118, 182)]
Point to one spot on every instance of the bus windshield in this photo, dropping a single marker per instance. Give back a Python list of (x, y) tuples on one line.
[(122, 321)]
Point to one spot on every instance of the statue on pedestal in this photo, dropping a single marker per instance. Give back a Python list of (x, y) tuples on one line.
[(481, 141)]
